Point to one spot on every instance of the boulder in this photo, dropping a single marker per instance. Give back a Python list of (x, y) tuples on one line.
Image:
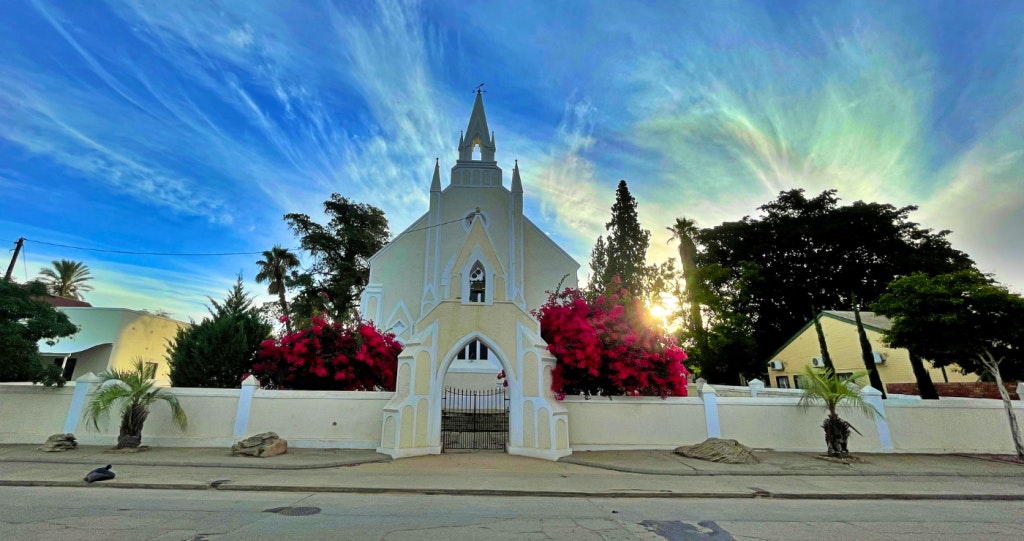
[(58, 443), (262, 445), (719, 450)]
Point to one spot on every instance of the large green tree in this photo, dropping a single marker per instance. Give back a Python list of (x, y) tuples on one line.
[(765, 272), (953, 318), (66, 278), (341, 250), (219, 350), (25, 319), (622, 253), (274, 268)]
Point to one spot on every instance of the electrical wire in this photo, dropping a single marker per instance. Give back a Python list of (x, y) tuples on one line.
[(194, 254)]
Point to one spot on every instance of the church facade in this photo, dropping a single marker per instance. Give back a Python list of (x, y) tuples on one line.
[(457, 287)]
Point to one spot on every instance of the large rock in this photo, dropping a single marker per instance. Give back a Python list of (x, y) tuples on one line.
[(58, 443), (263, 445), (719, 450)]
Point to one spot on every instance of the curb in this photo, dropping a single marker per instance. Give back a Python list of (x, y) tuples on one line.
[(726, 473), (252, 466), (759, 494)]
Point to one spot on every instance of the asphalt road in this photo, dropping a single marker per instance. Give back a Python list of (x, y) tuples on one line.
[(83, 514)]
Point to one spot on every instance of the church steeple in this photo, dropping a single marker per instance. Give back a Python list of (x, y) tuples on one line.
[(477, 133), (480, 170), (435, 183)]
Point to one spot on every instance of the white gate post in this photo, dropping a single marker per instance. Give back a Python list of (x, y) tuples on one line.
[(874, 397), (249, 386), (83, 385), (755, 387), (710, 397)]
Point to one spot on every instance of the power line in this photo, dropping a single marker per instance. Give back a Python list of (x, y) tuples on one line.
[(184, 254), (140, 253)]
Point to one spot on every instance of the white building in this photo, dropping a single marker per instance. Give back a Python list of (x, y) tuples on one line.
[(457, 287)]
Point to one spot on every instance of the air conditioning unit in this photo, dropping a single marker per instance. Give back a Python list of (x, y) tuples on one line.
[(879, 357), (818, 362), (775, 365)]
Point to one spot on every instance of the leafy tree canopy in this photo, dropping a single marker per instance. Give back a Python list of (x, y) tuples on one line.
[(341, 250), (953, 318), (765, 273), (25, 320), (219, 350)]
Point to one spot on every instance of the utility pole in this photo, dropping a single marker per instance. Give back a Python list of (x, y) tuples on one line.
[(14, 259)]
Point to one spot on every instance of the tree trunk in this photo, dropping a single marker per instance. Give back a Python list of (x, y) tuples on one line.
[(130, 435), (284, 311), (925, 387), (837, 434), (993, 367)]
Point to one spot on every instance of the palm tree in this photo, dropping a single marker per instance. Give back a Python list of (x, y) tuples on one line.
[(133, 387), (826, 387), (685, 230), (67, 278), (274, 267)]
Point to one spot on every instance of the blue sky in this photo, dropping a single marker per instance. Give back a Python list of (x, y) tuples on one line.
[(194, 126)]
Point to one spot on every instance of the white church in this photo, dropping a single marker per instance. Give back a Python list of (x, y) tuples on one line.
[(457, 287)]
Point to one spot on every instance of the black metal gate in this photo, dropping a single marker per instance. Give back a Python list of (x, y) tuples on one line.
[(474, 419)]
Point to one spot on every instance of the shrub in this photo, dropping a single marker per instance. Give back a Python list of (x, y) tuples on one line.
[(330, 356), (605, 346)]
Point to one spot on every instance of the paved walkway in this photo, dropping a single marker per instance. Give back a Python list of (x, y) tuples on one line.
[(619, 474)]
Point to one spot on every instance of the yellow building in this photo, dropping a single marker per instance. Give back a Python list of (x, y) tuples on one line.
[(457, 287), (840, 329), (110, 339)]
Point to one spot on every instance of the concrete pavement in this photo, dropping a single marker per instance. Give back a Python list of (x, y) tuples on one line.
[(622, 474)]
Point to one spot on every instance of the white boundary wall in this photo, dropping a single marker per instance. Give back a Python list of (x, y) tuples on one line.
[(353, 420)]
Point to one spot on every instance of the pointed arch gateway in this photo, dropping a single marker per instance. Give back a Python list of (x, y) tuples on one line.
[(478, 284)]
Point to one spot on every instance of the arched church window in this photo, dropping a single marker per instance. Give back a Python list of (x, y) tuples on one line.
[(476, 148), (473, 351), (477, 283)]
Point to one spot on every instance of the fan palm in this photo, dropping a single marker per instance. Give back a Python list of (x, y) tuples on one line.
[(67, 278), (274, 267), (824, 386), (135, 390)]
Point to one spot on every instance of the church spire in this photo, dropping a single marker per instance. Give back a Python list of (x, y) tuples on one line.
[(517, 184), (435, 184), (477, 133)]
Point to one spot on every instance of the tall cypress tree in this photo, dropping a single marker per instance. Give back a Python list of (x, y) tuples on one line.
[(865, 350), (625, 249), (825, 357)]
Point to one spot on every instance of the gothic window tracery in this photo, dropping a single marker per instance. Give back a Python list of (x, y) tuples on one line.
[(473, 351), (477, 283)]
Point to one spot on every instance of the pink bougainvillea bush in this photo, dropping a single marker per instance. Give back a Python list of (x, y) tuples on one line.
[(606, 346), (330, 356)]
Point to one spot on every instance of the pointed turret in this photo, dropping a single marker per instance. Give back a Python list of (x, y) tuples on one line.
[(435, 184), (517, 184), (477, 133)]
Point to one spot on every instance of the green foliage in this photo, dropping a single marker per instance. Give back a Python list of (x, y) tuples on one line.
[(823, 386), (623, 253), (24, 321), (822, 345), (219, 350), (135, 391), (760, 275), (341, 251), (67, 278), (950, 318), (274, 268), (866, 353)]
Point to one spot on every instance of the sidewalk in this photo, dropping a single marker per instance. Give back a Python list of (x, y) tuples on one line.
[(619, 474)]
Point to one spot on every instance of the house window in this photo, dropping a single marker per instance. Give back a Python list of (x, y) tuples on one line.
[(782, 382), (798, 382), (477, 283), (473, 351), (845, 375)]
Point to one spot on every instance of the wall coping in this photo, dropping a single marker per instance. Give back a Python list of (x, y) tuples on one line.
[(668, 401)]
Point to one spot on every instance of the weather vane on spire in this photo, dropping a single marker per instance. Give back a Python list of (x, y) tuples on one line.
[(479, 88)]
